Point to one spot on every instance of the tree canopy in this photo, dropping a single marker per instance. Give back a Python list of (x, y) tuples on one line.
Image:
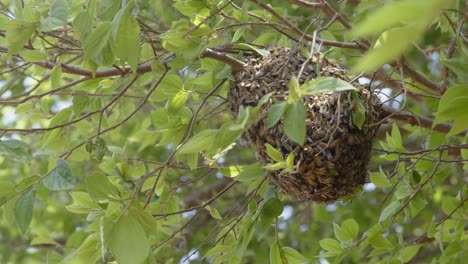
[(118, 144)]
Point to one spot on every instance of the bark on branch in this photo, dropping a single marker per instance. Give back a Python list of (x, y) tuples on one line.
[(421, 121), (143, 68), (234, 63)]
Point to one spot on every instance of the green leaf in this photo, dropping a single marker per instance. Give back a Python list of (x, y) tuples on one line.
[(417, 205), (25, 107), (101, 148), (231, 171), (225, 139), (58, 15), (381, 242), (359, 114), (97, 40), (18, 32), (397, 142), (389, 210), (276, 166), (380, 180), (449, 204), (293, 256), (273, 153), (6, 189), (290, 161), (53, 137), (331, 245), (56, 76), (294, 123), (217, 249), (192, 161), (245, 46), (177, 101), (170, 85), (415, 177), (452, 107), (24, 208), (390, 45), (199, 142), (272, 208), (251, 173), (453, 248), (275, 113), (294, 90), (44, 239), (175, 41), (8, 211), (409, 252), (190, 8), (394, 141), (326, 85), (100, 188), (158, 68), (403, 191), (349, 229), (128, 241), (82, 25), (26, 183), (108, 57), (61, 177), (122, 13), (146, 220), (107, 9), (82, 203), (459, 67), (89, 251), (16, 150), (275, 254), (214, 212), (338, 233), (262, 101), (463, 48), (33, 55), (61, 117), (395, 13), (329, 254), (238, 34), (377, 251), (245, 114), (127, 37), (79, 104)]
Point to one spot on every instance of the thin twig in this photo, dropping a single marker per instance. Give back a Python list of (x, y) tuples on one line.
[(235, 64), (418, 120), (143, 102), (184, 140), (88, 73)]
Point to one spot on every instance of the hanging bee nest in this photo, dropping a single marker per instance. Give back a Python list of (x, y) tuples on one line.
[(332, 162)]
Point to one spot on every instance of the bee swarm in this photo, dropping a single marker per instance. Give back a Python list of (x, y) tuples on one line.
[(332, 162)]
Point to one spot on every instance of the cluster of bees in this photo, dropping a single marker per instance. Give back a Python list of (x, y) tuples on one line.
[(331, 164)]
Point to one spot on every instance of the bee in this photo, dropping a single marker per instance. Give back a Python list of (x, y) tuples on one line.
[(320, 171), (335, 143)]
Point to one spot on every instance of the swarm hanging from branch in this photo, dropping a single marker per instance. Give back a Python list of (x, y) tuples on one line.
[(332, 162)]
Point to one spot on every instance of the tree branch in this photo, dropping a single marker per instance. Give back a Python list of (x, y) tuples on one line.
[(349, 45), (330, 11), (417, 120), (45, 129), (234, 63), (143, 68), (417, 77), (306, 4)]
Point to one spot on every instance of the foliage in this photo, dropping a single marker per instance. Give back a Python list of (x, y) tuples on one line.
[(117, 144)]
